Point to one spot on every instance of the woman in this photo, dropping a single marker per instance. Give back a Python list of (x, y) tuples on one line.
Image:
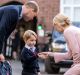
[(72, 36)]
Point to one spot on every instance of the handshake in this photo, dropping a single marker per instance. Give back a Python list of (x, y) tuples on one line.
[(44, 55)]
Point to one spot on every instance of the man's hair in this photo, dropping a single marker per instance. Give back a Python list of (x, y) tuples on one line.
[(28, 34), (33, 5)]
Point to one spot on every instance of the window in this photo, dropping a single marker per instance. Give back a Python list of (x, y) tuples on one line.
[(71, 8)]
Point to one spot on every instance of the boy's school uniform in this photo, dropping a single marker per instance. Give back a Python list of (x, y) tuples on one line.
[(29, 61)]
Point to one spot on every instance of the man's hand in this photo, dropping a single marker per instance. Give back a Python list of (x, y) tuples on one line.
[(2, 58)]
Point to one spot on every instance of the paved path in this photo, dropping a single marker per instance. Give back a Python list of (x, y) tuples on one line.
[(17, 68)]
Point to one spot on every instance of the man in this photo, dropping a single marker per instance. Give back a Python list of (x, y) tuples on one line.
[(10, 15)]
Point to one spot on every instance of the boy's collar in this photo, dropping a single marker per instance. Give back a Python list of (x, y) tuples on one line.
[(29, 47)]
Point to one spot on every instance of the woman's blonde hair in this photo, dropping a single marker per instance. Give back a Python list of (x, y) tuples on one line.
[(27, 35), (62, 19)]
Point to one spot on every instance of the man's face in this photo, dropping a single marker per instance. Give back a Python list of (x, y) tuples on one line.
[(30, 15)]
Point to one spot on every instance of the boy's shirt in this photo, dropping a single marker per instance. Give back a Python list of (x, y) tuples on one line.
[(32, 49)]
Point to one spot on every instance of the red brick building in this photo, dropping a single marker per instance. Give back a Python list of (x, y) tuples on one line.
[(48, 9)]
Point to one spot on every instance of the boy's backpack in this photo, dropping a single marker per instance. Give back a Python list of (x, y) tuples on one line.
[(5, 68)]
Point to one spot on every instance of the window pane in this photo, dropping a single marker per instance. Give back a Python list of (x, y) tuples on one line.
[(76, 14), (68, 2), (67, 11), (76, 1)]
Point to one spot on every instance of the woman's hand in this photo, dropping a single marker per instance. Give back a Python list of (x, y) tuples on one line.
[(43, 55)]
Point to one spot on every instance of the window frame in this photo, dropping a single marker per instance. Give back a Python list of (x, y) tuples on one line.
[(72, 8)]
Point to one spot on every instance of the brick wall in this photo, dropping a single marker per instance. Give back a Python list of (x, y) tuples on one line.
[(48, 9), (4, 1)]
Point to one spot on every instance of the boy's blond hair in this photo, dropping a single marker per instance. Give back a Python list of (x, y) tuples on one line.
[(60, 18), (33, 5), (27, 35)]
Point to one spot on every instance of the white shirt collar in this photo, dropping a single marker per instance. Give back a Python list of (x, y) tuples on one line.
[(33, 48), (20, 16)]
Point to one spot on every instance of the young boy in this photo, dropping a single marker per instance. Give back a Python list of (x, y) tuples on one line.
[(29, 54)]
